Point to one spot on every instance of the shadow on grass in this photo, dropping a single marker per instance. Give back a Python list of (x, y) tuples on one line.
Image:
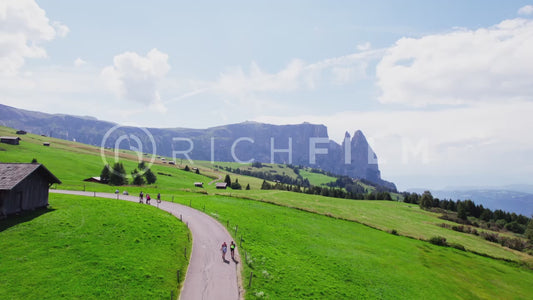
[(23, 217)]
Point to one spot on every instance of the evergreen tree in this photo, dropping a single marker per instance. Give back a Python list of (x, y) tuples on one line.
[(186, 168), (137, 178), (529, 231), (105, 174), (266, 185), (236, 185), (227, 180), (461, 211), (427, 200), (248, 187), (34, 161), (150, 176), (197, 171), (118, 175)]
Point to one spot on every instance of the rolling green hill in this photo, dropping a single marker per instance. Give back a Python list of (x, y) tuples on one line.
[(308, 246), (92, 248)]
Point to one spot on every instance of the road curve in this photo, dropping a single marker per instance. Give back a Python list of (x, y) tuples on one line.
[(208, 277)]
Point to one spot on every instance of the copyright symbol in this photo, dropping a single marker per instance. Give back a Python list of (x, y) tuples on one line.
[(136, 139)]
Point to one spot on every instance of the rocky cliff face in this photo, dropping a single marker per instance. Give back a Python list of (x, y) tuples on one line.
[(303, 144)]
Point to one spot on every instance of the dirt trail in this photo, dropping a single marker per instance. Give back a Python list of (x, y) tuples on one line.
[(208, 277)]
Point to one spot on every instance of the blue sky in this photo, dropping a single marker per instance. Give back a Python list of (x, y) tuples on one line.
[(442, 89)]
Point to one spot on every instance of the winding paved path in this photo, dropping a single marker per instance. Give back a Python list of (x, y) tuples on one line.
[(208, 277)]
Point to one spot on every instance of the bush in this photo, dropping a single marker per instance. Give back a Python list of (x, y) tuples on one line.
[(458, 246), (438, 240), (515, 227), (491, 237), (394, 231)]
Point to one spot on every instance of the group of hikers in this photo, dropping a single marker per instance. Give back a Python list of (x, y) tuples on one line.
[(141, 197), (224, 249)]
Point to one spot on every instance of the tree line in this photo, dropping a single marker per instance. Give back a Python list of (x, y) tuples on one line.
[(117, 175)]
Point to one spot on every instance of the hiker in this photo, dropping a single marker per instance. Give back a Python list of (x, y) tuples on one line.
[(232, 249), (141, 197), (224, 249), (148, 199), (158, 197)]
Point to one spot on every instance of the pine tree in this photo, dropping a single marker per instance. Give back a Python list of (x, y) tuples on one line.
[(248, 187), (137, 178), (529, 231), (104, 175), (227, 180), (118, 175), (150, 176)]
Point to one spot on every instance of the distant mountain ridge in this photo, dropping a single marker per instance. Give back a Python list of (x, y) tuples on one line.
[(303, 144)]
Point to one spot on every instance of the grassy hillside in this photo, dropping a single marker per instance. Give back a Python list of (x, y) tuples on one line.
[(92, 248), (321, 252), (300, 255), (407, 219)]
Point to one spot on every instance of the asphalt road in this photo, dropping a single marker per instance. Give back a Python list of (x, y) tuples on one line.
[(208, 276)]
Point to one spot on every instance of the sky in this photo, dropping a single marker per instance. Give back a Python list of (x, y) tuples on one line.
[(443, 90)]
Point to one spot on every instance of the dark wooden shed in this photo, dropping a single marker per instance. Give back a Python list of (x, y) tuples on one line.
[(21, 132), (13, 140), (221, 185), (24, 187)]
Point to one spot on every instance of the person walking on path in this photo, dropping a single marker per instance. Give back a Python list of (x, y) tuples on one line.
[(158, 197), (232, 250), (141, 197), (148, 199), (224, 249)]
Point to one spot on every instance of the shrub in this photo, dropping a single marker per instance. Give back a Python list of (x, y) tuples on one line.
[(457, 246), (394, 231), (438, 240), (491, 237)]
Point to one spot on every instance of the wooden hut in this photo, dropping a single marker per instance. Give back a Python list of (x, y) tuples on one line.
[(21, 132), (12, 140), (24, 187), (221, 185), (95, 179), (199, 184)]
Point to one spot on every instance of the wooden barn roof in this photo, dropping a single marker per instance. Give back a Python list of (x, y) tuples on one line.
[(12, 174)]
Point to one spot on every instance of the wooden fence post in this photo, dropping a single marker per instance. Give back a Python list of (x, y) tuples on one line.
[(185, 253), (250, 283), (178, 276), (236, 228)]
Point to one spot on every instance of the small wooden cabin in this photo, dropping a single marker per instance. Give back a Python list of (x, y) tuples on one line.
[(221, 185), (24, 187), (199, 184), (21, 132), (12, 140), (95, 179)]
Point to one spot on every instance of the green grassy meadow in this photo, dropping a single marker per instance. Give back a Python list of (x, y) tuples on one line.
[(300, 255), (92, 248), (298, 246)]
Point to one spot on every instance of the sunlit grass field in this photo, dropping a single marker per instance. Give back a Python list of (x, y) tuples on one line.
[(300, 255), (92, 248)]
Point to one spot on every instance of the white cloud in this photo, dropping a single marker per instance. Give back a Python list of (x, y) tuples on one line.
[(134, 77), (526, 10), (23, 28), (296, 76), (364, 47), (487, 142), (79, 62), (459, 67)]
